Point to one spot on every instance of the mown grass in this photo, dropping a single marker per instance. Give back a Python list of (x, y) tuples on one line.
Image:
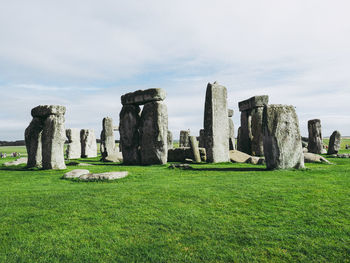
[(212, 213)]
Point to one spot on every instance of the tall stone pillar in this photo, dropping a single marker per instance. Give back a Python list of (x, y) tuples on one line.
[(33, 136), (215, 124), (315, 136), (184, 138), (74, 146), (281, 137), (170, 140), (88, 143), (231, 128), (334, 143), (107, 146)]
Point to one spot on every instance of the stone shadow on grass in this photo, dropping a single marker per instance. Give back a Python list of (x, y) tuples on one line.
[(232, 169)]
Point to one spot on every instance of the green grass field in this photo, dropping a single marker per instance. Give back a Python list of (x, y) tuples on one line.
[(213, 213)]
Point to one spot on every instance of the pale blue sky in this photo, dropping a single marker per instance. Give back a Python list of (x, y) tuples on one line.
[(86, 54)]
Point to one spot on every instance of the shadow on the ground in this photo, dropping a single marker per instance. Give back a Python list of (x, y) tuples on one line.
[(232, 169)]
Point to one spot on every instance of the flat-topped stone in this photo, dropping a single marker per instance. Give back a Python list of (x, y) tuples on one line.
[(253, 102), (104, 176), (140, 97), (76, 173), (43, 111)]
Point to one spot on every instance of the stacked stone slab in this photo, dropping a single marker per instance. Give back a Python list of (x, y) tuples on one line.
[(74, 146), (88, 143), (281, 138), (216, 130), (334, 143), (45, 137), (107, 146), (231, 128), (184, 138), (170, 140), (315, 136), (250, 134), (143, 135)]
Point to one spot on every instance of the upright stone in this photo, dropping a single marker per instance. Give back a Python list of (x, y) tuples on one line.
[(281, 137), (107, 146), (53, 138), (215, 124), (33, 136), (244, 141), (129, 119), (154, 133), (231, 127), (201, 142), (74, 146), (88, 143), (195, 149), (257, 144), (170, 140), (184, 138), (315, 136), (334, 143)]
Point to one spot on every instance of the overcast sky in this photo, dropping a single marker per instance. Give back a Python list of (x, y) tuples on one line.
[(86, 54)]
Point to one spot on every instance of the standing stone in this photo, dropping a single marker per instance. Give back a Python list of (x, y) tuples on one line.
[(195, 149), (154, 133), (334, 143), (170, 140), (53, 138), (88, 143), (315, 136), (215, 124), (74, 145), (33, 136), (184, 139), (231, 127), (129, 119), (244, 142), (281, 137), (257, 144), (201, 140), (107, 146)]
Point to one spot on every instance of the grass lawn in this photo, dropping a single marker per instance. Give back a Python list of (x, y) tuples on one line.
[(213, 213)]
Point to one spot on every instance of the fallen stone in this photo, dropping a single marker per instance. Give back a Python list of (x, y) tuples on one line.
[(76, 173), (16, 162), (103, 176), (239, 157), (181, 153), (184, 166), (140, 97), (314, 158)]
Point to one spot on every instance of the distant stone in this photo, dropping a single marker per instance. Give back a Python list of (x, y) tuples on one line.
[(282, 140), (231, 128), (180, 154), (74, 145), (88, 143), (229, 113), (315, 144), (201, 140), (195, 149), (170, 140), (183, 166), (184, 138), (44, 111), (33, 136), (76, 173), (257, 143), (140, 97), (107, 145), (314, 158), (334, 143)]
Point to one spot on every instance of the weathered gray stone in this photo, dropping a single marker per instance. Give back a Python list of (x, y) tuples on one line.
[(195, 149), (184, 138), (334, 143), (215, 124), (180, 154), (154, 133), (253, 102), (53, 138), (257, 144), (231, 128), (238, 156), (33, 136), (230, 113), (76, 173), (103, 176), (282, 140), (140, 97), (170, 140), (43, 111), (16, 162), (116, 157), (129, 118), (244, 143), (88, 143), (201, 139), (315, 136), (74, 146), (107, 145), (314, 158)]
